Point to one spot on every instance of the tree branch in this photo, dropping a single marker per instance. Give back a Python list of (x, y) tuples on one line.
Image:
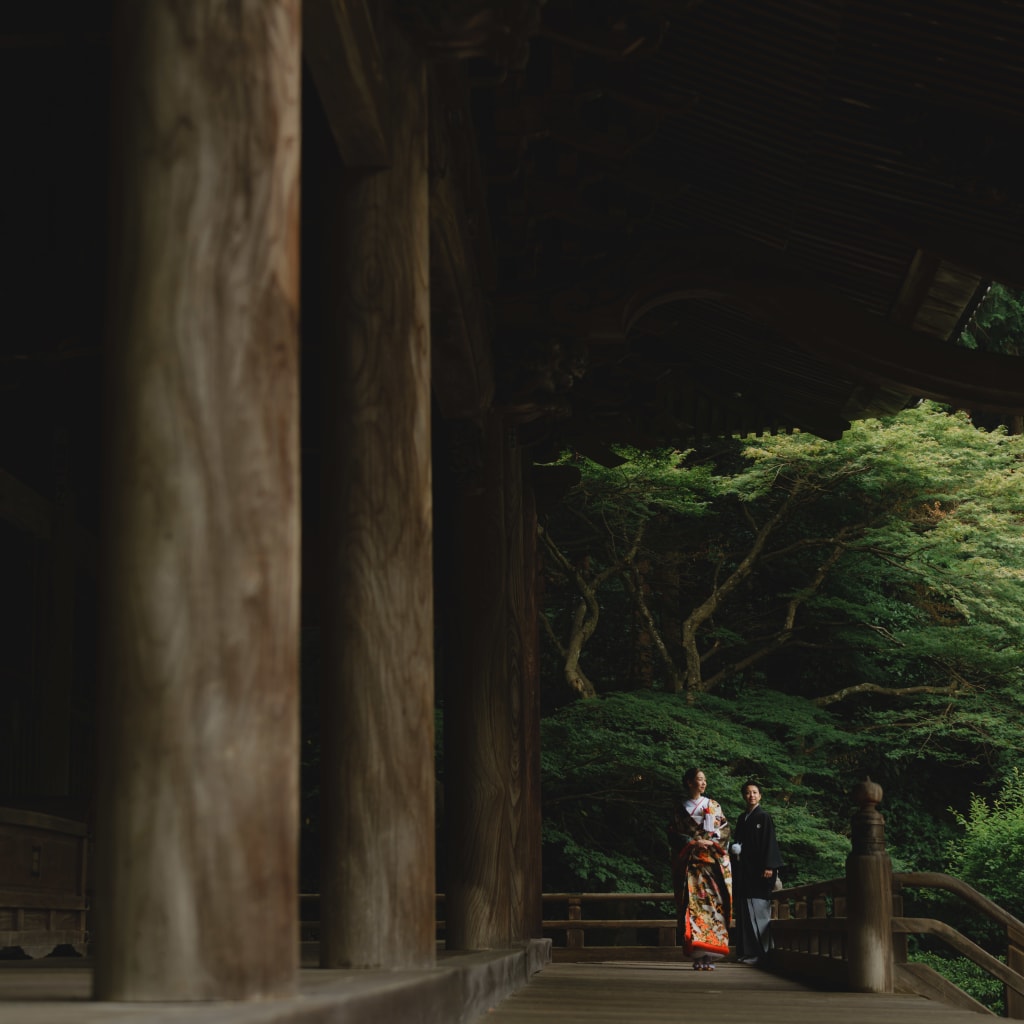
[(785, 635), (584, 621), (700, 615), (645, 613), (952, 689)]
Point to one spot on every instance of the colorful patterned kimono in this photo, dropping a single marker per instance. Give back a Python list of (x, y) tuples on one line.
[(701, 878)]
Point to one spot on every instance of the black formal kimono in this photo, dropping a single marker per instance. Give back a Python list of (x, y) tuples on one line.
[(754, 836)]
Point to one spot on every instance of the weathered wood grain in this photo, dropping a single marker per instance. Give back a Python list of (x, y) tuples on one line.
[(197, 833), (377, 793)]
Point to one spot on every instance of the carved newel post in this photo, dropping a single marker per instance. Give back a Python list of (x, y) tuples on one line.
[(869, 896)]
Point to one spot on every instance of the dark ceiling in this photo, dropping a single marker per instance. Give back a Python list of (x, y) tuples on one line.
[(710, 218)]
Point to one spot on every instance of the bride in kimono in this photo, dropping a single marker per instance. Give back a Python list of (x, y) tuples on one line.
[(701, 874)]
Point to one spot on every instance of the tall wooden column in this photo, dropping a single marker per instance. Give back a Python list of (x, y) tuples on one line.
[(198, 790), (493, 888), (377, 878)]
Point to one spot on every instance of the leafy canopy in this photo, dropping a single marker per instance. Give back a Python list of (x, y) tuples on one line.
[(827, 610)]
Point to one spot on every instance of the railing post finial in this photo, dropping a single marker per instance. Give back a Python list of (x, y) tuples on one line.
[(868, 825)]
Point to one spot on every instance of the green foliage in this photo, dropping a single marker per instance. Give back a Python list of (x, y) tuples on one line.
[(612, 769), (918, 513), (986, 853), (966, 975), (998, 323), (878, 632)]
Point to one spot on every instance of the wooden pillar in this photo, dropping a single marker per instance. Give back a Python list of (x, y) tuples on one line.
[(377, 731), (493, 882), (523, 779), (525, 563), (869, 897), (198, 753)]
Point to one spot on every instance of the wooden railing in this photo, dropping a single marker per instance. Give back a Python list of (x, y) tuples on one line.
[(575, 926), (1011, 973), (569, 931), (849, 933), (810, 932)]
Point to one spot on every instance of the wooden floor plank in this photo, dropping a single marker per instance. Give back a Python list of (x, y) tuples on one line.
[(649, 993), (560, 993)]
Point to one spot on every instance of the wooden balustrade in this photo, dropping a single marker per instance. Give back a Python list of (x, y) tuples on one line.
[(810, 932), (569, 932), (1011, 974), (576, 927)]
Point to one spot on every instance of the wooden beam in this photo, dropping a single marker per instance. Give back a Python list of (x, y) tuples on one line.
[(823, 323), (843, 333), (916, 285), (995, 259), (340, 48)]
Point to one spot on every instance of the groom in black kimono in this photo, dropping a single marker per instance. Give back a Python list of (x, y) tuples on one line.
[(756, 863)]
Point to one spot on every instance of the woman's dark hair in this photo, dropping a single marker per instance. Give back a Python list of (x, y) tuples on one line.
[(691, 775)]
